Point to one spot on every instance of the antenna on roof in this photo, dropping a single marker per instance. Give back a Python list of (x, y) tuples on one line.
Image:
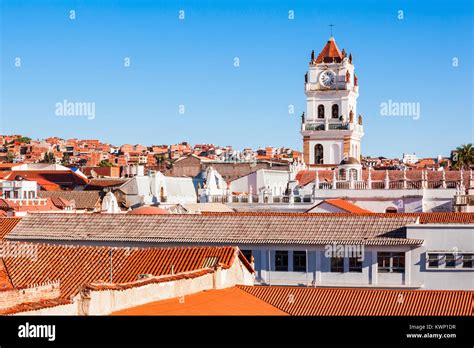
[(331, 25)]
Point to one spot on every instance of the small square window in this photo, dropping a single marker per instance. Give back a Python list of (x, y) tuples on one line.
[(467, 261), (450, 260), (433, 260)]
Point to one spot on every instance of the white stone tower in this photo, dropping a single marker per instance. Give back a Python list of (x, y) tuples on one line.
[(331, 131)]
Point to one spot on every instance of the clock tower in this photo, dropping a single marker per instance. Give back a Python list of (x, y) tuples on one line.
[(331, 131)]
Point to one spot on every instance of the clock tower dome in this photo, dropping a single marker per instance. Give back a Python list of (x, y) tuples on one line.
[(330, 129)]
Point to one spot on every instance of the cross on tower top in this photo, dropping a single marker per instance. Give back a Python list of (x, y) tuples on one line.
[(331, 25)]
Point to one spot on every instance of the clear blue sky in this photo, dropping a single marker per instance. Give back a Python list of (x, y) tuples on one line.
[(191, 62)]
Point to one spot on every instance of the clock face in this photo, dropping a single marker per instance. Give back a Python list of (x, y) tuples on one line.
[(327, 78)]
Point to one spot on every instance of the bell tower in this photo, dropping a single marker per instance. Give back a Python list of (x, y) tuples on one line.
[(330, 129)]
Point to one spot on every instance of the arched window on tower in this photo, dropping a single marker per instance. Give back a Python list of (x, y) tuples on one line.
[(335, 111), (342, 174), (318, 154), (320, 111)]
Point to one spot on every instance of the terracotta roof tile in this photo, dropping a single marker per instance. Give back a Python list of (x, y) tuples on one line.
[(329, 53), (89, 200), (7, 224), (74, 266), (34, 306), (365, 302)]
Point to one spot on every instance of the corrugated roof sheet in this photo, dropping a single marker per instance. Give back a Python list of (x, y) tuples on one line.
[(224, 228), (365, 302)]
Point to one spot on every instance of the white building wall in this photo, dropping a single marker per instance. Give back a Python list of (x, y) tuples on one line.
[(446, 238)]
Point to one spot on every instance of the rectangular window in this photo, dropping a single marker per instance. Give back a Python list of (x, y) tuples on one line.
[(355, 265), (398, 262), (450, 260), (337, 264), (299, 261), (281, 260), (383, 260), (433, 260), (391, 262), (247, 254), (467, 261)]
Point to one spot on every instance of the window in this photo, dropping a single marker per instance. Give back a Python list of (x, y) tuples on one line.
[(318, 154), (450, 260), (433, 260), (467, 261), (321, 111), (355, 265), (391, 262), (342, 174), (391, 210), (247, 254), (299, 261), (337, 264), (281, 260), (335, 111)]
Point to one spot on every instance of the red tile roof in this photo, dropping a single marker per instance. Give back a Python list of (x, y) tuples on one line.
[(7, 224), (365, 302), (344, 205), (329, 53), (78, 265), (425, 218), (34, 306)]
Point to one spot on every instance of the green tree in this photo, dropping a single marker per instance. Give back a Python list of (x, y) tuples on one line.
[(48, 158), (463, 156), (10, 157), (105, 163), (24, 139), (66, 159)]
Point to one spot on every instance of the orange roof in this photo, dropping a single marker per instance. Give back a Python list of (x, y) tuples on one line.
[(78, 265), (7, 224), (365, 302), (148, 210), (425, 218), (329, 53), (230, 301), (344, 205)]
